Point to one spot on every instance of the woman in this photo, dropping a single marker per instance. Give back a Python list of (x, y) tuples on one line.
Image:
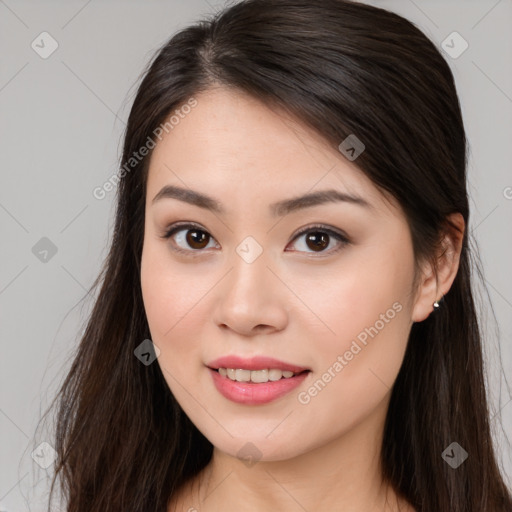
[(285, 319)]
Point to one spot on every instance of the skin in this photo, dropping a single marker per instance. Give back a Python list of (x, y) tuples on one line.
[(293, 303)]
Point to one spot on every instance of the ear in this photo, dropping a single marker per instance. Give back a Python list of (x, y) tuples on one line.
[(435, 282)]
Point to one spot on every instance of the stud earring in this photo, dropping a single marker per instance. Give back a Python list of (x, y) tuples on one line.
[(438, 303)]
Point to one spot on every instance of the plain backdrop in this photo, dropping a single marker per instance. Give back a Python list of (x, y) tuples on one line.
[(61, 123)]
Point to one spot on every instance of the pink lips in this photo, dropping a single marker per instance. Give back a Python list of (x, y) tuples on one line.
[(253, 363), (251, 393)]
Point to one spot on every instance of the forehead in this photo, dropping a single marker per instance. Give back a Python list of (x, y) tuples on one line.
[(231, 144)]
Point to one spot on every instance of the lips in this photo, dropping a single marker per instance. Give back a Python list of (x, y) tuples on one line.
[(254, 363), (260, 392)]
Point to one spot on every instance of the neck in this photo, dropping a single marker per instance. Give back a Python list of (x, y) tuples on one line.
[(345, 470)]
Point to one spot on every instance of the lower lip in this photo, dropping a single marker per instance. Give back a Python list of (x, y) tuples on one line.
[(251, 393)]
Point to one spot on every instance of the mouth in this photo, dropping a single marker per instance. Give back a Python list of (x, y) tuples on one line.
[(255, 387), (255, 380)]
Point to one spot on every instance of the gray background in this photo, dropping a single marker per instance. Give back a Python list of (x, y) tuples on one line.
[(61, 124)]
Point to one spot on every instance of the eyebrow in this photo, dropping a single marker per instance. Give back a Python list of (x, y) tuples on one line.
[(279, 208)]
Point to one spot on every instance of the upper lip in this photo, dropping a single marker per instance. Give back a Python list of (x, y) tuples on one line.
[(254, 363)]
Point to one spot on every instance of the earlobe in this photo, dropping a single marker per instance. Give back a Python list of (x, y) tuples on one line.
[(437, 278)]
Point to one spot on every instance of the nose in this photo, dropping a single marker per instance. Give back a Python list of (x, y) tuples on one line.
[(251, 299)]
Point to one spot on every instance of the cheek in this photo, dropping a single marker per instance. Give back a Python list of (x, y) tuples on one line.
[(362, 300), (172, 302), (369, 311), (362, 294)]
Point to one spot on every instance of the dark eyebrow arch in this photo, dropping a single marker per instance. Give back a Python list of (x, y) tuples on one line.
[(276, 209)]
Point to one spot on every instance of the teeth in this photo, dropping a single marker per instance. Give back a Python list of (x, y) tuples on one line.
[(242, 375), (258, 376)]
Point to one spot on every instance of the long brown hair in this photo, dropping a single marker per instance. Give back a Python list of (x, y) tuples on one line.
[(342, 68)]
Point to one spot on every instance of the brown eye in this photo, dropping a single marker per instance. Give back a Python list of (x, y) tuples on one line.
[(188, 238), (317, 240), (197, 239)]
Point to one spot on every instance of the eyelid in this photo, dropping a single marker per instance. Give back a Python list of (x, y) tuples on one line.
[(340, 236), (177, 226), (320, 227), (184, 225)]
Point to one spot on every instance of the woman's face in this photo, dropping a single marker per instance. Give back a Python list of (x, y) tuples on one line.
[(253, 280)]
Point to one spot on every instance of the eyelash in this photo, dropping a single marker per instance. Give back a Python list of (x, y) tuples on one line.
[(343, 239)]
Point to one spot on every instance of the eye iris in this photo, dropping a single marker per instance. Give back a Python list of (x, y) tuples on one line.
[(318, 239), (196, 236)]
